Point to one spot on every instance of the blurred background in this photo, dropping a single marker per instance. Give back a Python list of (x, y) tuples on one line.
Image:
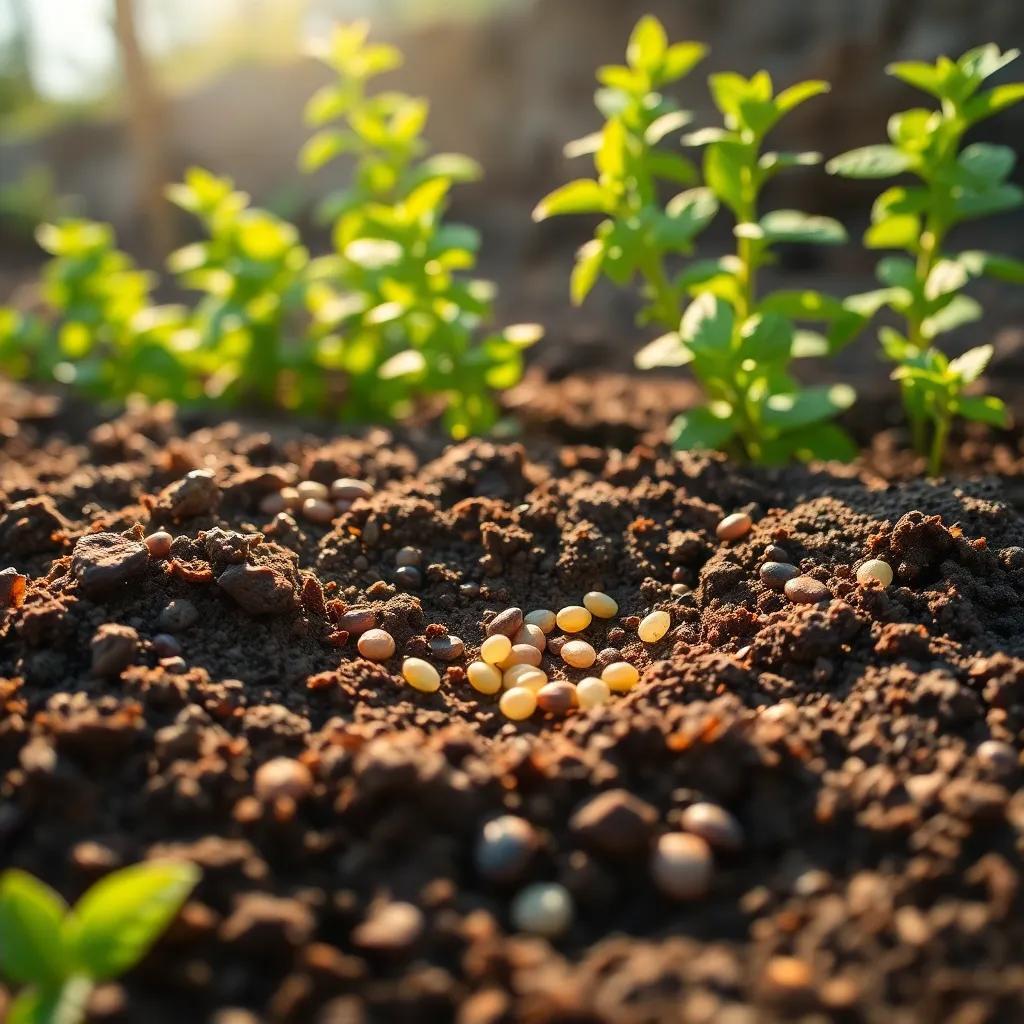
[(102, 102)]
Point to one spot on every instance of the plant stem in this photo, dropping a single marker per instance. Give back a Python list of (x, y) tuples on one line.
[(667, 301), (939, 439)]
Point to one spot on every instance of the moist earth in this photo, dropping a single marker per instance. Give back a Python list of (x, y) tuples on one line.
[(867, 746)]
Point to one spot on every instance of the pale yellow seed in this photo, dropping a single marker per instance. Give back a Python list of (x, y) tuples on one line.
[(312, 489), (653, 627), (514, 675), (317, 511), (531, 634), (483, 677), (621, 676), (601, 605), (573, 618), (421, 675), (875, 569), (591, 692), (376, 644), (291, 496), (518, 703), (578, 653), (521, 654), (495, 649), (543, 618)]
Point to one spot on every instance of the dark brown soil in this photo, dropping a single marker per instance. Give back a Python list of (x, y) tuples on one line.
[(879, 879)]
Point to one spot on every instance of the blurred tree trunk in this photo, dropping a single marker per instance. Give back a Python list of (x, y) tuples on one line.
[(146, 122)]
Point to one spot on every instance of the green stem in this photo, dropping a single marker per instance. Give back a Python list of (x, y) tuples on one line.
[(666, 300), (939, 439)]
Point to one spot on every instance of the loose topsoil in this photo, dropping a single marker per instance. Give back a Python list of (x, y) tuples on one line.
[(879, 875)]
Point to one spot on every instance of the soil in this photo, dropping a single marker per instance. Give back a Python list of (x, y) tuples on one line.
[(868, 746)]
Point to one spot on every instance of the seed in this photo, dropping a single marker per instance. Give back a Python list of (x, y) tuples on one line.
[(806, 590), (621, 676), (531, 634), (591, 692), (376, 644), (317, 511), (573, 618), (408, 556), (653, 627), (159, 544), (521, 654), (291, 496), (496, 649), (421, 675), (579, 654), (357, 620), (518, 703), (997, 757), (681, 866), (483, 677), (601, 605), (312, 489), (714, 824), (787, 976), (447, 648), (506, 623), (525, 676), (773, 553), (409, 577), (777, 574), (875, 569), (556, 698), (544, 908), (347, 489), (505, 848), (273, 504), (282, 776), (734, 526), (543, 618)]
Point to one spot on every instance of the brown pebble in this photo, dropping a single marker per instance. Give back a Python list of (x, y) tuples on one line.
[(166, 646), (282, 776), (318, 511), (357, 620), (682, 866), (615, 823), (447, 648), (734, 526), (786, 976), (259, 589), (392, 928), (556, 698), (777, 574), (608, 656), (507, 623), (105, 562), (555, 644), (159, 544), (713, 824), (113, 649), (408, 556), (347, 489), (376, 644), (998, 757), (774, 553), (806, 590), (409, 577)]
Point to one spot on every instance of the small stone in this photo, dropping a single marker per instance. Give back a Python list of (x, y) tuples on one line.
[(312, 490), (615, 823), (682, 866), (258, 589), (543, 618), (998, 757), (578, 654), (806, 590), (506, 623), (159, 544), (713, 824), (165, 646), (556, 698), (12, 588), (654, 626), (196, 494), (347, 489), (774, 553), (392, 928), (282, 776), (409, 577), (178, 615), (408, 556), (544, 908), (777, 574), (734, 526), (376, 644), (113, 649), (105, 562), (357, 620), (273, 504), (421, 675), (317, 511), (447, 648), (505, 848), (874, 569)]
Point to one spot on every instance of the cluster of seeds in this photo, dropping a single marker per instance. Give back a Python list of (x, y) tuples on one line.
[(316, 501)]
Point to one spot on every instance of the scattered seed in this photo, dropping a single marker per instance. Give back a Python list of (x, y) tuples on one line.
[(542, 618), (447, 648), (273, 504), (997, 757), (159, 544), (376, 644), (544, 908), (591, 692), (506, 623), (408, 556), (526, 676), (495, 649), (521, 654), (806, 590), (409, 577), (654, 626), (578, 654), (875, 569), (681, 590), (317, 511), (556, 698), (734, 526), (573, 618), (621, 676), (312, 489), (714, 824), (682, 865), (178, 615), (518, 703), (357, 620), (469, 589), (531, 634), (421, 675), (347, 489), (600, 605), (505, 848), (777, 574), (282, 776), (483, 677)]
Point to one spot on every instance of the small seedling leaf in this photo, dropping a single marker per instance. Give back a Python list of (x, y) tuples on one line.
[(589, 261), (794, 226), (668, 350), (993, 101), (962, 309), (984, 409), (971, 365), (31, 914), (647, 45), (703, 429), (707, 324), (581, 196), (877, 161)]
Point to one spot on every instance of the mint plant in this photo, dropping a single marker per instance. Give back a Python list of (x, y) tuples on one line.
[(926, 287), (57, 955), (391, 307), (739, 346)]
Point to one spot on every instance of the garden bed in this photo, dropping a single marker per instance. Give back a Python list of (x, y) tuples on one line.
[(867, 746)]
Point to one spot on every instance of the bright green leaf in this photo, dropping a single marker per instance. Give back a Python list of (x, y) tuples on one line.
[(31, 914), (870, 162), (984, 409), (708, 428), (668, 350), (971, 365), (794, 226)]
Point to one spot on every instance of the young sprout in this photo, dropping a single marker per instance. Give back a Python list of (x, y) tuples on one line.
[(57, 955), (926, 287)]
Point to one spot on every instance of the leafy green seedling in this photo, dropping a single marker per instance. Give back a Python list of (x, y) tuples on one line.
[(57, 954), (392, 309), (738, 347), (926, 287)]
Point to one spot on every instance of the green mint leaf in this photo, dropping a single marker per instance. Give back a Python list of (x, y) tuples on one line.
[(647, 45), (686, 215), (929, 78), (668, 350), (811, 405), (671, 167), (724, 168), (680, 59), (989, 103), (806, 304), (877, 161), (986, 164), (708, 428), (971, 365), (792, 97), (766, 338), (665, 125), (31, 915), (581, 196), (57, 1004), (984, 409), (589, 261), (794, 226), (961, 310), (901, 231), (707, 325), (824, 442), (969, 204)]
